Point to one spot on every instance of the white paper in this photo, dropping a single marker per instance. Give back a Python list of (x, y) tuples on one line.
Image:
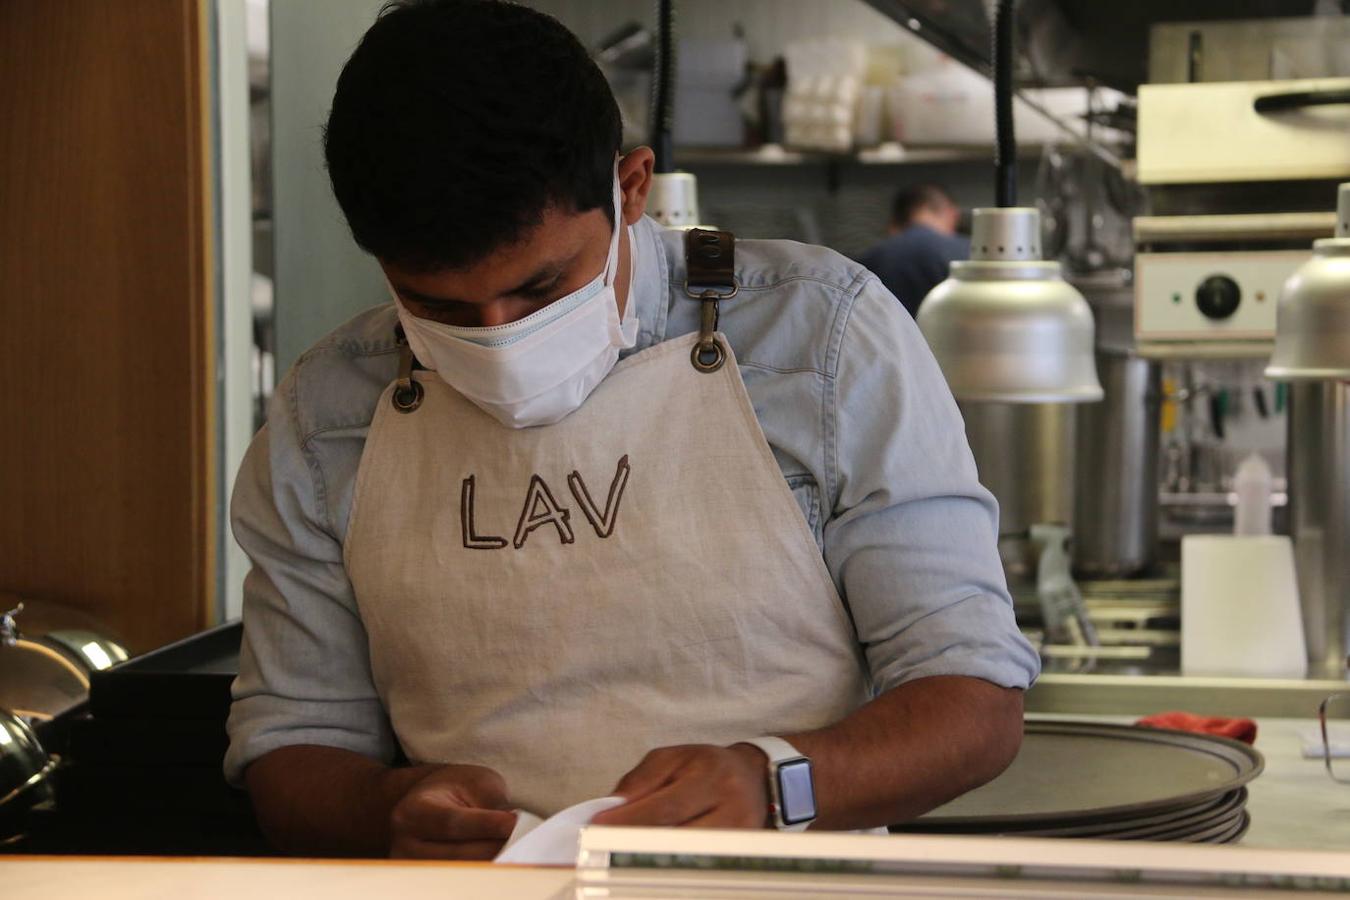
[(552, 842), (1338, 735)]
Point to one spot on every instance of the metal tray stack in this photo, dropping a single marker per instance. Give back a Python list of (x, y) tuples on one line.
[(1110, 782)]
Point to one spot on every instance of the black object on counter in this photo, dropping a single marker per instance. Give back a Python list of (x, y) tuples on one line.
[(141, 761), (186, 680)]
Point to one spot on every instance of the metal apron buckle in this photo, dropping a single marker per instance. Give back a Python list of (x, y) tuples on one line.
[(710, 262), (408, 393), (708, 354)]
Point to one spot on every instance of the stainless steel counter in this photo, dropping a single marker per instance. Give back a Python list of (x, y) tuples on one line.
[(1141, 695)]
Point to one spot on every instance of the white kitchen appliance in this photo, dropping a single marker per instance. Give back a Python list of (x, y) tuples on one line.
[(1241, 178), (1237, 177)]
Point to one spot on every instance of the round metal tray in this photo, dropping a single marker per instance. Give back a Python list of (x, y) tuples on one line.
[(1081, 773), (1160, 826), (1225, 832), (1200, 830)]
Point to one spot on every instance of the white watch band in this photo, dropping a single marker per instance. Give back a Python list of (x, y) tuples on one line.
[(775, 748), (778, 751)]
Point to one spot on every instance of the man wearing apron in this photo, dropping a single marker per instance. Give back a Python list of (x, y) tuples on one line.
[(593, 508)]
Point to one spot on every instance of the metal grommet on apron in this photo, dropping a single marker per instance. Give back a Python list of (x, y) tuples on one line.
[(408, 393), (710, 278)]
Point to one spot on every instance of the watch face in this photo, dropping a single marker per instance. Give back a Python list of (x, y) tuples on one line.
[(796, 794)]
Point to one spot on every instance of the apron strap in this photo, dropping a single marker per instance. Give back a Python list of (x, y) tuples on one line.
[(408, 393), (710, 278)]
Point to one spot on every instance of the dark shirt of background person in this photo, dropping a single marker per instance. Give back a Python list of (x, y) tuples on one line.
[(923, 241)]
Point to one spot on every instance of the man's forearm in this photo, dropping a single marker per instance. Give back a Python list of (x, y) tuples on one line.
[(912, 749), (324, 801)]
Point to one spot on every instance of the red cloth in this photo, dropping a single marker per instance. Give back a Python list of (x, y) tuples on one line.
[(1237, 729)]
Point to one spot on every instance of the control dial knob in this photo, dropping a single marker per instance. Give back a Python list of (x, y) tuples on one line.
[(1218, 296)]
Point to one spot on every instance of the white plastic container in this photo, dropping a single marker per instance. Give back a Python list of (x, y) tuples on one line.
[(951, 104), (1253, 484), (1239, 607)]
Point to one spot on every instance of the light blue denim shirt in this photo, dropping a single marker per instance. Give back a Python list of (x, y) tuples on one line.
[(851, 401)]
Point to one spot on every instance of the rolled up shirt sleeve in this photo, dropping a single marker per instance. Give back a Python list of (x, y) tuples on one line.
[(304, 669), (913, 538)]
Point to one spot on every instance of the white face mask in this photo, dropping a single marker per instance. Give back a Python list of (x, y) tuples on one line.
[(536, 370)]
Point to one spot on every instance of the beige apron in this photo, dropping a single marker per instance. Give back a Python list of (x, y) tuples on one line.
[(554, 602)]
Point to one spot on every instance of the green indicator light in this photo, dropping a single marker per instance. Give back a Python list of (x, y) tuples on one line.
[(1176, 298)]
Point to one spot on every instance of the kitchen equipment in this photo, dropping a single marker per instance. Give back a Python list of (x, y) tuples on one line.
[(1164, 785), (1239, 176), (1239, 131), (1006, 327), (1206, 285), (1116, 488), (1319, 518), (1211, 296), (1024, 455), (1092, 466), (142, 762), (1115, 496), (189, 679), (25, 769), (1316, 46), (1239, 607), (1220, 821), (42, 675), (1312, 349), (673, 200), (1228, 809), (1313, 339), (1234, 172)]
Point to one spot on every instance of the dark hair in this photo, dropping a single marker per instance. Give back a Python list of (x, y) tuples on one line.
[(909, 200), (457, 123)]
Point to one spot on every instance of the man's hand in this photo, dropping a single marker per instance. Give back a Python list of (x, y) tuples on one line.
[(325, 801), (456, 812), (698, 785)]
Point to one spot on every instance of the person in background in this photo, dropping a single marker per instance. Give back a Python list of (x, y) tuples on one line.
[(917, 255)]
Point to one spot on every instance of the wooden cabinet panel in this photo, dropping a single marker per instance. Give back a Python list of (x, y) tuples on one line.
[(106, 436)]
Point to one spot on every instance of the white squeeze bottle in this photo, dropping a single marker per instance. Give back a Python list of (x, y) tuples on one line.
[(1253, 485)]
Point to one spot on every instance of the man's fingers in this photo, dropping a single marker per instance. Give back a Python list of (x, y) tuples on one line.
[(675, 804), (414, 848), (481, 787), (476, 786), (655, 770), (438, 818)]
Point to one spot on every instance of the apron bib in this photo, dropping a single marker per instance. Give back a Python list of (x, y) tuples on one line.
[(554, 602)]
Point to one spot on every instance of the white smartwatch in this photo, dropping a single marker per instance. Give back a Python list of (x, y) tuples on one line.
[(792, 790)]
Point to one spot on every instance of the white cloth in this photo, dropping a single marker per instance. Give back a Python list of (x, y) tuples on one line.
[(536, 842), (554, 842), (555, 602), (1338, 735)]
